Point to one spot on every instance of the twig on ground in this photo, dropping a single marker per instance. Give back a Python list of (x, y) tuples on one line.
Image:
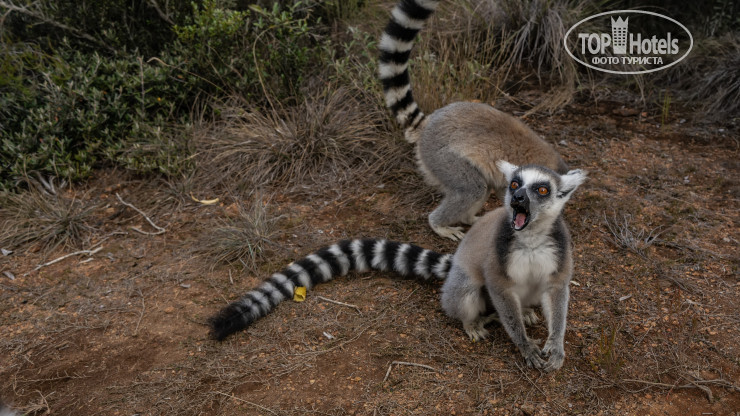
[(334, 347), (76, 253), (698, 384), (390, 367), (536, 386), (340, 303), (141, 315), (107, 237), (43, 405), (246, 401), (159, 229)]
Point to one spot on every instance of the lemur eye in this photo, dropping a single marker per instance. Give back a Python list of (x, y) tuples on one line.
[(542, 190), (514, 185)]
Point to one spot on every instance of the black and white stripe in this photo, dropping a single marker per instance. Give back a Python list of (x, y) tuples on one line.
[(322, 266), (407, 18)]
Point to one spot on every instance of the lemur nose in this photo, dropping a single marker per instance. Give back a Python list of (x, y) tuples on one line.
[(520, 195)]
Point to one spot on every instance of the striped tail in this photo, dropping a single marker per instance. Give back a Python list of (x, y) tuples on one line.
[(322, 266), (407, 18)]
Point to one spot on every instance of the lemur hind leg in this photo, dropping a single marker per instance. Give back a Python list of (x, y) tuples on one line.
[(465, 191), (462, 299)]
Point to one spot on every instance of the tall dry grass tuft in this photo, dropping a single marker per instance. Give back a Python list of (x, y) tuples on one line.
[(246, 236), (473, 48), (49, 220), (458, 56), (710, 79), (532, 32), (330, 139)]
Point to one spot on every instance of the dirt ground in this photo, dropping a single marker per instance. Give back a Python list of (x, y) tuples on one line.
[(653, 324)]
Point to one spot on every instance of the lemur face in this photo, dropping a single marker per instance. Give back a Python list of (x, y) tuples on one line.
[(536, 192)]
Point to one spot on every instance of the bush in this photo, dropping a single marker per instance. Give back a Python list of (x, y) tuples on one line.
[(77, 111), (254, 53), (107, 26), (65, 109)]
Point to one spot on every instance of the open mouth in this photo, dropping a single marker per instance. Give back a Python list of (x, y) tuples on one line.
[(521, 218)]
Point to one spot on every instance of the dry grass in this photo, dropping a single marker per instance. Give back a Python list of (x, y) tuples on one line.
[(710, 80), (331, 137), (244, 237), (482, 47), (626, 235), (458, 57), (50, 220), (532, 33)]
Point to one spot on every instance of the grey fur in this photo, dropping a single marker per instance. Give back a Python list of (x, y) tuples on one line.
[(457, 145), (518, 269)]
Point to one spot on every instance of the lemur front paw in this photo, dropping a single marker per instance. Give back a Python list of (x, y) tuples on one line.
[(533, 355), (556, 354)]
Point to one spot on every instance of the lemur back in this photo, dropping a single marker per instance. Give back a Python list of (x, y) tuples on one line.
[(457, 145), (515, 257)]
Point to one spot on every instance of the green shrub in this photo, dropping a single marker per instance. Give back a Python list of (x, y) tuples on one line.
[(253, 53), (65, 110), (78, 111), (107, 26)]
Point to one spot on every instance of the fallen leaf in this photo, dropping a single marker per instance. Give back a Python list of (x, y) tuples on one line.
[(204, 201), (299, 294)]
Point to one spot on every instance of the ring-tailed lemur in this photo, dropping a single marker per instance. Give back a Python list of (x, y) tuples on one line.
[(513, 258), (456, 146), (519, 255)]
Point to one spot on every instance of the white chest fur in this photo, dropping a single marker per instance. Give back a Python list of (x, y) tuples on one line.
[(530, 263)]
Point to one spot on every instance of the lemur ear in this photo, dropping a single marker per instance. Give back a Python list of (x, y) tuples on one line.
[(506, 168), (570, 182)]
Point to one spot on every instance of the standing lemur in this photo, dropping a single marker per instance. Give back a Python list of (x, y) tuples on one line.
[(513, 258), (458, 145)]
